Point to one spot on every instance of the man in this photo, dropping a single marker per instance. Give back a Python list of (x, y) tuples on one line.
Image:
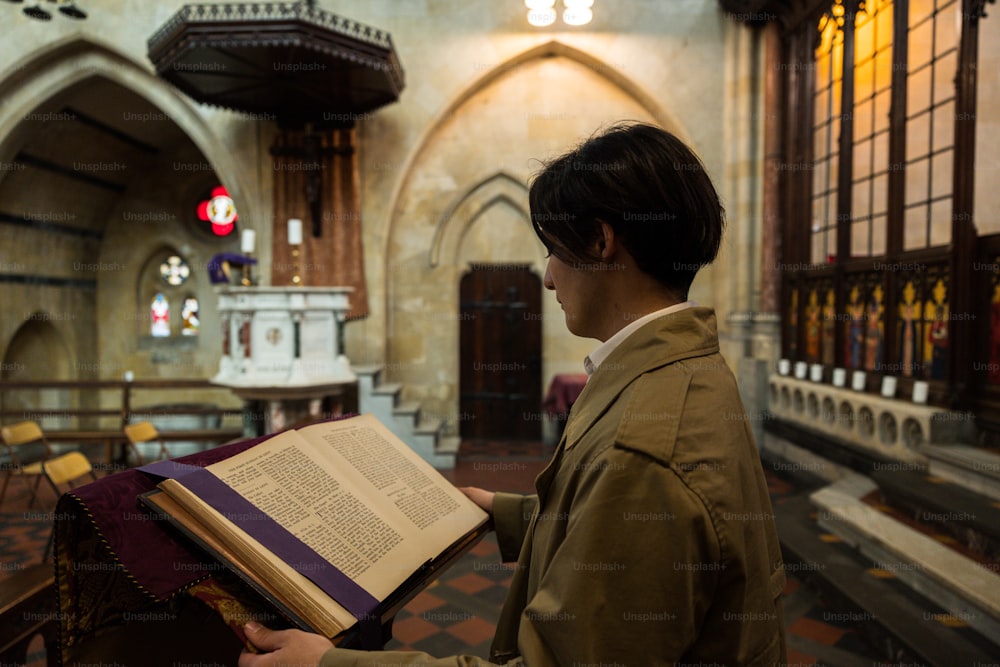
[(651, 540)]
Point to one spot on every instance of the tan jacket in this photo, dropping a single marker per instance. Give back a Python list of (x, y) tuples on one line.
[(651, 540)]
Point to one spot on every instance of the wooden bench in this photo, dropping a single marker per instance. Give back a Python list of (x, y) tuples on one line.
[(28, 608)]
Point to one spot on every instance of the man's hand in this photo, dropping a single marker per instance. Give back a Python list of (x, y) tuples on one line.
[(481, 497), (286, 648)]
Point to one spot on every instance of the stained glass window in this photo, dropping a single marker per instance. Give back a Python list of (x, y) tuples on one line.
[(159, 315), (189, 312), (174, 271)]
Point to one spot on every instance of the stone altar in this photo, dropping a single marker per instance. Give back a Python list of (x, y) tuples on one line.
[(282, 352)]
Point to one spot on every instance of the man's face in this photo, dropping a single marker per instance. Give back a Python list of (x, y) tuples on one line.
[(578, 291)]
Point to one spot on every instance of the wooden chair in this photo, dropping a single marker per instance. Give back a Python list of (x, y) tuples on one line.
[(65, 469), (20, 436), (144, 432)]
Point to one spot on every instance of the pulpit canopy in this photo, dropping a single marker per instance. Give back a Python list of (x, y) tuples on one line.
[(289, 62)]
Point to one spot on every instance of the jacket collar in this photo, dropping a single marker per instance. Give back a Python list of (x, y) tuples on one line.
[(680, 335)]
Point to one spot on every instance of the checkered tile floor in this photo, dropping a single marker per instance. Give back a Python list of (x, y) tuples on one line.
[(458, 613)]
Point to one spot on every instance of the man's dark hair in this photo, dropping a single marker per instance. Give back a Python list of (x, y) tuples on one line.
[(645, 183)]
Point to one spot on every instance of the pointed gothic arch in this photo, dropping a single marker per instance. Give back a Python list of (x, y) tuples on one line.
[(56, 67), (545, 50), (467, 208)]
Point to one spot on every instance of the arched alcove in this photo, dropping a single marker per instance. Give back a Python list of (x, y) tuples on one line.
[(38, 351), (471, 207), (57, 66), (463, 199), (94, 105)]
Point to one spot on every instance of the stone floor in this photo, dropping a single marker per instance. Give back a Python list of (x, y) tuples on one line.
[(457, 614)]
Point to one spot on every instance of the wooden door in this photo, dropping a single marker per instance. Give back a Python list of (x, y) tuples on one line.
[(501, 353)]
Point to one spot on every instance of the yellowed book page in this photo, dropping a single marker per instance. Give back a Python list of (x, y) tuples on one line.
[(320, 619), (320, 498), (307, 599), (425, 508)]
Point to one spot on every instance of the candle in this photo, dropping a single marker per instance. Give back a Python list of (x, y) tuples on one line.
[(839, 377), (888, 386), (784, 366), (858, 381), (247, 241), (801, 369), (816, 373), (294, 231), (920, 389)]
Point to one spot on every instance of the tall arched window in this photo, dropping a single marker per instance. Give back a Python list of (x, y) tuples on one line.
[(879, 241), (167, 303)]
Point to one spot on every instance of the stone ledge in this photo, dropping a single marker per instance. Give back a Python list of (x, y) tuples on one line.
[(963, 587), (971, 467), (894, 428)]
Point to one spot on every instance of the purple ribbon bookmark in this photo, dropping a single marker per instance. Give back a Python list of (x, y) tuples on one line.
[(273, 536)]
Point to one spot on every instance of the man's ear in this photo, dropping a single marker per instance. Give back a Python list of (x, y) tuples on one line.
[(607, 242)]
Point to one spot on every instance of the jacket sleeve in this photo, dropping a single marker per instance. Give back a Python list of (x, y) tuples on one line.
[(511, 516), (339, 657), (634, 576)]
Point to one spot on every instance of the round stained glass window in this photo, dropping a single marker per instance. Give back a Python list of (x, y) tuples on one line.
[(174, 271)]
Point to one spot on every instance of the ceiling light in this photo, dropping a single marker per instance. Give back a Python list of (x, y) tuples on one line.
[(72, 11), (38, 13)]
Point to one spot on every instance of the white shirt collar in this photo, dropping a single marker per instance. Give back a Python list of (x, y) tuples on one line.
[(597, 357)]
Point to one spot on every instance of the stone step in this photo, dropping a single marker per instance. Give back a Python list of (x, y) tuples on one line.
[(935, 500), (448, 445), (429, 426), (960, 585), (409, 408), (388, 389), (895, 611), (975, 468)]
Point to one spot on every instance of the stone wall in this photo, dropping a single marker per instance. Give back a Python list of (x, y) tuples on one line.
[(442, 171)]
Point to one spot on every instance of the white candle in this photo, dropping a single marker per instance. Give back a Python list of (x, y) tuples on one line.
[(888, 386), (816, 373), (920, 390), (784, 367), (858, 381), (839, 377), (247, 241), (294, 231), (801, 369)]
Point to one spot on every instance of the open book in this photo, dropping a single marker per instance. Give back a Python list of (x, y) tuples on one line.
[(328, 522)]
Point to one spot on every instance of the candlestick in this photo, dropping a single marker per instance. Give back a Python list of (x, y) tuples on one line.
[(294, 231), (296, 279), (247, 279), (858, 381), (816, 372), (247, 241)]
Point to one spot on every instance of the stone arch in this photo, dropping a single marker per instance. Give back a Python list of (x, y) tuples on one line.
[(58, 66), (465, 209), (38, 351), (148, 283), (545, 50)]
